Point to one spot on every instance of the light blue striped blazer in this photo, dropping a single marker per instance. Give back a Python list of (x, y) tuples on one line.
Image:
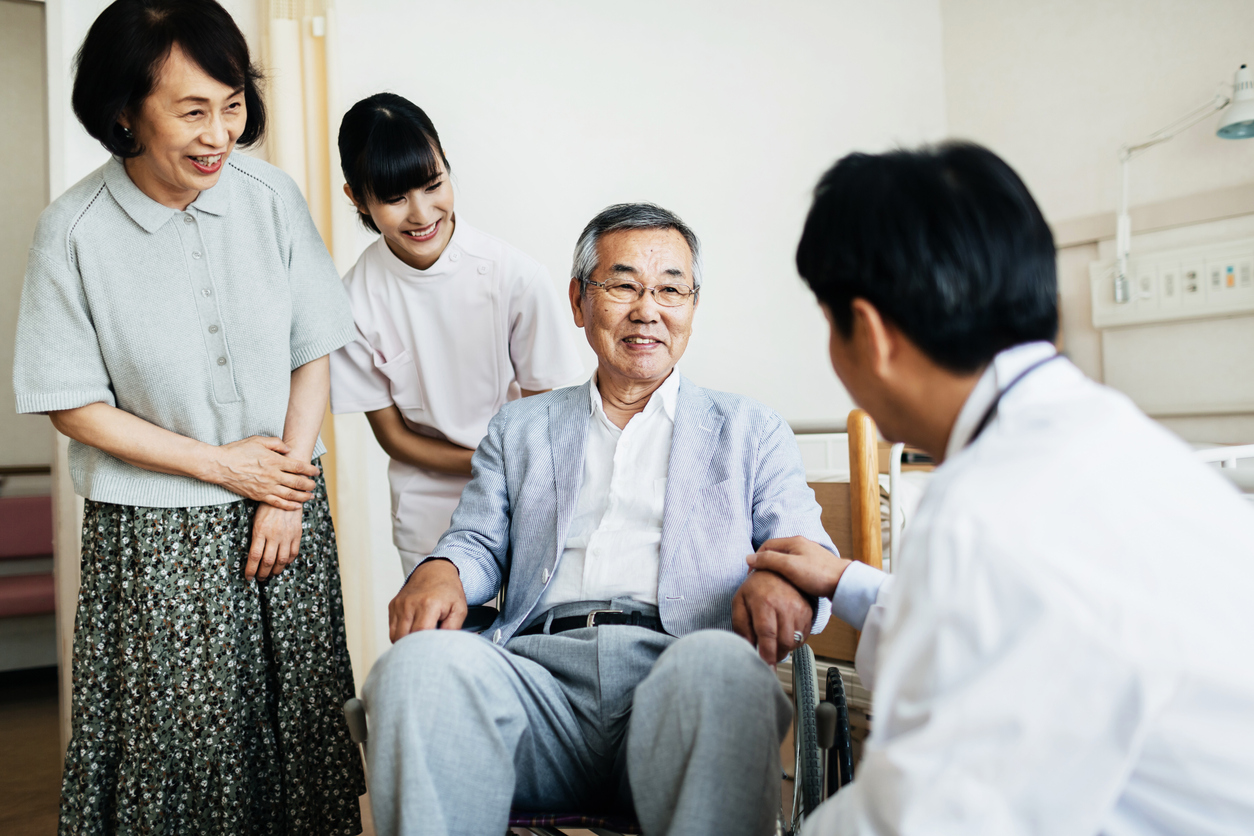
[(735, 480)]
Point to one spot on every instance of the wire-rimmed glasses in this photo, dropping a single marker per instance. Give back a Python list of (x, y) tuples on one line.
[(629, 290)]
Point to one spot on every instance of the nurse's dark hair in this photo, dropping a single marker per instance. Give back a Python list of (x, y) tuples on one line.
[(945, 242), (388, 147), (117, 66)]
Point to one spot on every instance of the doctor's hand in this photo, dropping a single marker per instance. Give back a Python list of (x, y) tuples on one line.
[(767, 610), (807, 565), (433, 598)]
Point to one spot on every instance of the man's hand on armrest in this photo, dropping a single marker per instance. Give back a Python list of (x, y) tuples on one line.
[(807, 565), (767, 610), (432, 598)]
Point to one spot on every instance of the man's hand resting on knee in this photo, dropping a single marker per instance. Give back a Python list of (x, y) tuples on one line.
[(433, 598), (767, 610)]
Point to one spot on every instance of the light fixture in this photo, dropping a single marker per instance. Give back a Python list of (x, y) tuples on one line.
[(1236, 123)]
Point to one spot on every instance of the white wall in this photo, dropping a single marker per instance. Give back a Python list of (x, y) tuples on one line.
[(1056, 88), (725, 112)]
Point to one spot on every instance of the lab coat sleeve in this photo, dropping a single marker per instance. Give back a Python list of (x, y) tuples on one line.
[(860, 601), (1002, 705)]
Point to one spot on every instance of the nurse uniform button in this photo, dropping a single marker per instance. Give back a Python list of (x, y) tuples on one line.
[(454, 255), (496, 637), (483, 268)]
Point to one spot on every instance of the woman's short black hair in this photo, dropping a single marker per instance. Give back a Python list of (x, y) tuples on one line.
[(388, 147), (116, 67), (946, 242)]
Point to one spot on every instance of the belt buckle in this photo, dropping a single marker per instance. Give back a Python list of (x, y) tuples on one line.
[(592, 616)]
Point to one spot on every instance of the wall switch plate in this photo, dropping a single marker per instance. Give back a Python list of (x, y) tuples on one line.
[(1216, 280)]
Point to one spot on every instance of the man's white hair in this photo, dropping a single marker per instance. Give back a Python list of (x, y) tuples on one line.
[(629, 216)]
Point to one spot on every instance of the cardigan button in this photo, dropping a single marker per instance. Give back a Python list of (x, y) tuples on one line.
[(195, 253), (221, 361), (187, 219)]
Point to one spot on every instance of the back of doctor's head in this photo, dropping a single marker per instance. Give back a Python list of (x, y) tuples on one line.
[(388, 147), (945, 242)]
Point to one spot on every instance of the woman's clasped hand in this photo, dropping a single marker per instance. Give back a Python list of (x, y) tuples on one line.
[(259, 468)]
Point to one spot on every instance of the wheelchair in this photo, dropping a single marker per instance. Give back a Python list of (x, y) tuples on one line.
[(822, 746)]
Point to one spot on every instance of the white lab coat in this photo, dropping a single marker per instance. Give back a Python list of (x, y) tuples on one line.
[(1067, 646)]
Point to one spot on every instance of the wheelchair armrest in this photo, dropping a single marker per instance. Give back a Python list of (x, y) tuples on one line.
[(479, 619)]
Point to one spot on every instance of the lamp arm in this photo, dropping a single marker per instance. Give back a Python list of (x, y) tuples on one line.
[(1123, 224)]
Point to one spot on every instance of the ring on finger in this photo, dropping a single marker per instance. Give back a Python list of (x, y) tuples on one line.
[(797, 637)]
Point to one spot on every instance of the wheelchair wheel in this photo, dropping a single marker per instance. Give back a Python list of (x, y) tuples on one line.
[(808, 788), (840, 759)]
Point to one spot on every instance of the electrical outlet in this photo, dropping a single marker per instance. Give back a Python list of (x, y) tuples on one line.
[(1193, 285)]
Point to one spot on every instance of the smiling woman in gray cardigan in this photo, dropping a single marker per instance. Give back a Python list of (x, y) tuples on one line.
[(175, 323)]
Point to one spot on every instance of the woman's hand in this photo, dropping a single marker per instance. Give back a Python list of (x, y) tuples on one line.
[(276, 542), (259, 468)]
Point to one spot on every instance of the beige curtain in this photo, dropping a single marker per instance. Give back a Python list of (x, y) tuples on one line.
[(299, 53)]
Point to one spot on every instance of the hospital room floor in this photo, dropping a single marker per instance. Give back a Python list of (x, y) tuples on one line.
[(30, 764)]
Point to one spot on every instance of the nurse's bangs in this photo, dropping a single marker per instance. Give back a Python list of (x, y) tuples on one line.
[(388, 147), (398, 158)]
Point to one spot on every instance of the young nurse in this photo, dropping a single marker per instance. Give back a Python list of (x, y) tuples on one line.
[(450, 322)]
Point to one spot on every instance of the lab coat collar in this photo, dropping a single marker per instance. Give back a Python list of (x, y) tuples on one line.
[(1001, 371)]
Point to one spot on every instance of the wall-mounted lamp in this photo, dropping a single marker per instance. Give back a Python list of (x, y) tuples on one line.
[(1237, 122)]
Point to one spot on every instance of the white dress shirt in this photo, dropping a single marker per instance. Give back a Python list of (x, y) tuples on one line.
[(448, 346), (1067, 645), (612, 548)]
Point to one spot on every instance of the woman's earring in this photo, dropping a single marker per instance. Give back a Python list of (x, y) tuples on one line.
[(126, 132)]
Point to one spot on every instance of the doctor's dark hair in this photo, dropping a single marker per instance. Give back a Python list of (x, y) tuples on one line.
[(629, 216), (388, 147), (946, 242), (116, 68)]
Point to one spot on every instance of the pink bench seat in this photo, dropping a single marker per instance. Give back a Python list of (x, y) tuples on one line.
[(26, 595)]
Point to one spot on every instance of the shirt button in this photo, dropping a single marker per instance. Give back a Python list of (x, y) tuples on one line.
[(496, 637), (483, 268), (544, 576), (221, 361), (454, 256), (207, 292), (195, 253), (213, 329), (187, 219)]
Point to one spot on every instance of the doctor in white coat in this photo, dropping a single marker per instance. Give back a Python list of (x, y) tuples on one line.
[(1067, 645)]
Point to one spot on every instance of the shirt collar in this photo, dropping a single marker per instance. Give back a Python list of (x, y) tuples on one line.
[(152, 215), (1004, 368), (665, 397)]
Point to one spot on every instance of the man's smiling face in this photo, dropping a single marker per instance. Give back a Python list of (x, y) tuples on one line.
[(640, 341)]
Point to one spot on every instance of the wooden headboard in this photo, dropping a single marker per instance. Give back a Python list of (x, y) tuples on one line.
[(851, 517)]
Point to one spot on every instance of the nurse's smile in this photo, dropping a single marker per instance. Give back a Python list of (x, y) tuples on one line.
[(425, 233)]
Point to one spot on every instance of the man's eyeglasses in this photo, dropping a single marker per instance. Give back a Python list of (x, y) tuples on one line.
[(627, 290)]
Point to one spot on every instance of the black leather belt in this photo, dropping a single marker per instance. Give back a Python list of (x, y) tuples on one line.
[(596, 618)]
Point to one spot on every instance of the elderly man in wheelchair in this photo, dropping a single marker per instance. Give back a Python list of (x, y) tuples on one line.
[(629, 673)]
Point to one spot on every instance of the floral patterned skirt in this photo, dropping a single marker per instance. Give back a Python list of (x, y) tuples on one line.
[(205, 703)]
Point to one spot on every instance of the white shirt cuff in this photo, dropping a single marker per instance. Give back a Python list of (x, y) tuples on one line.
[(856, 592)]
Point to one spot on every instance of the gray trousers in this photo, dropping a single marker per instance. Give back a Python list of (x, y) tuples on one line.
[(606, 719)]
